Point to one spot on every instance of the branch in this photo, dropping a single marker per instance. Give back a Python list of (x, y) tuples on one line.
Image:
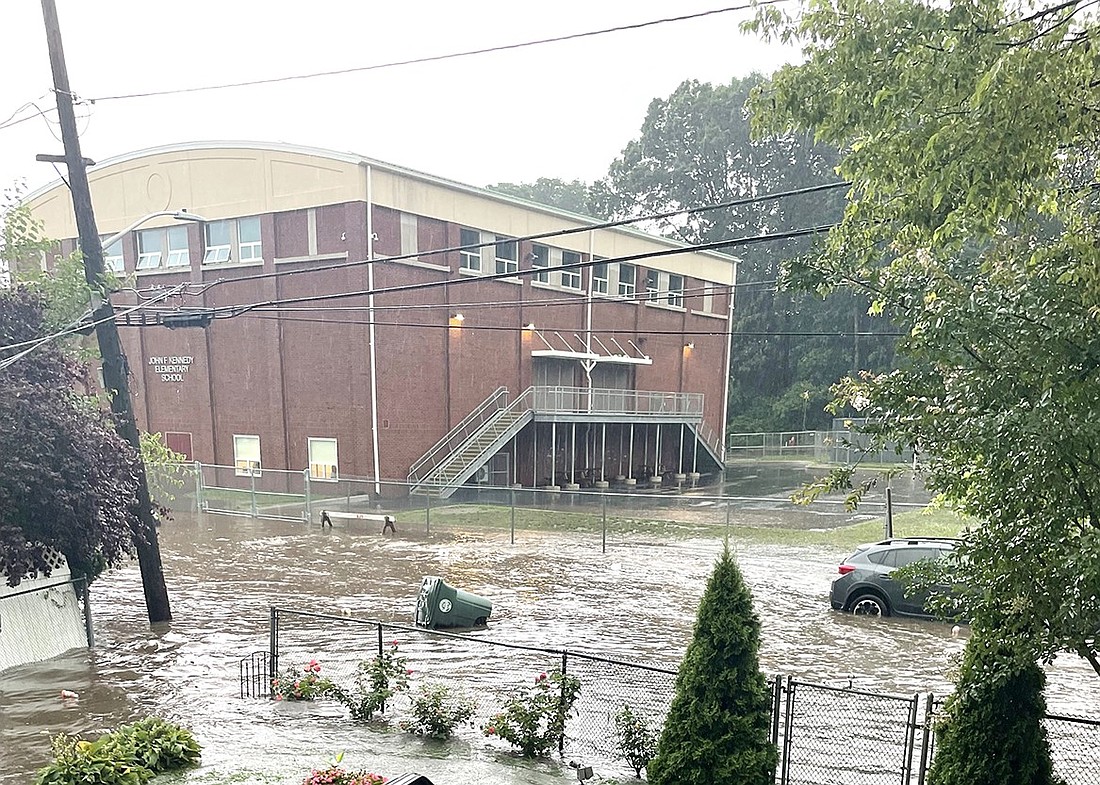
[(1089, 655)]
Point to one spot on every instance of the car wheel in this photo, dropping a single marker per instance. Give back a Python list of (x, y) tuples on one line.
[(869, 605)]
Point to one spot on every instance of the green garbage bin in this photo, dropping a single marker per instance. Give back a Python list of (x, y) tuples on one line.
[(439, 606)]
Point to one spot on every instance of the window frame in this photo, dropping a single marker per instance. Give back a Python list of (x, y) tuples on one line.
[(506, 265), (149, 259), (221, 253), (254, 247), (574, 277), (653, 286), (627, 289), (544, 266), (252, 468), (601, 284), (314, 475), (467, 257), (675, 292), (109, 258)]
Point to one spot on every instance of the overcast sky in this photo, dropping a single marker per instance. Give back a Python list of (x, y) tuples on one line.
[(555, 110)]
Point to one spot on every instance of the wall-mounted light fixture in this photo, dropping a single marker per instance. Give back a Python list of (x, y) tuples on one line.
[(529, 326), (456, 320), (689, 345)]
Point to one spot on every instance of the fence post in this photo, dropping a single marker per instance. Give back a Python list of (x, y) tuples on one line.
[(199, 503), (273, 647), (926, 740), (603, 548), (383, 706), (513, 529), (910, 741), (88, 612), (777, 696), (561, 702), (889, 513), (788, 721), (309, 496), (252, 491)]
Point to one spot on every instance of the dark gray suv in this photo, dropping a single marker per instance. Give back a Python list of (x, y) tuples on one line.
[(865, 586)]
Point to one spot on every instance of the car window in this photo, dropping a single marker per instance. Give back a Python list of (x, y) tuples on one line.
[(903, 556), (878, 557)]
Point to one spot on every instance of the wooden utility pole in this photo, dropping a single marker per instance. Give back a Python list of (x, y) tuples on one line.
[(110, 347)]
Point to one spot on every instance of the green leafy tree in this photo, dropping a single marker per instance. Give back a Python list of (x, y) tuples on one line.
[(971, 129), (67, 481), (718, 727), (570, 195), (695, 148), (991, 732)]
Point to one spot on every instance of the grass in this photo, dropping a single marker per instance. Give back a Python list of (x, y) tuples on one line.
[(688, 523)]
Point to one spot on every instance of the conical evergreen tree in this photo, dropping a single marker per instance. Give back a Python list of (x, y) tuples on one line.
[(717, 730), (992, 733)]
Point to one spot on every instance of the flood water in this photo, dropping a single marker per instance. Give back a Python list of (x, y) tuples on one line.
[(636, 602)]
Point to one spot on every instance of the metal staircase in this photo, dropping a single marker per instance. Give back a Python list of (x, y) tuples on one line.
[(483, 432), (470, 444)]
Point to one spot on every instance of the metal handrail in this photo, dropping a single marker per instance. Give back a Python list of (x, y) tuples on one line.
[(447, 444), (583, 400), (519, 404)]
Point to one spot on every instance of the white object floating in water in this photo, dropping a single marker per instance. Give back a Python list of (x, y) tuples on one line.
[(956, 631), (69, 694)]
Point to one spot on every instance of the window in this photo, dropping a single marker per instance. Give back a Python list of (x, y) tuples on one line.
[(708, 298), (248, 238), (323, 463), (218, 242), (410, 242), (628, 277), (676, 290), (469, 258), (150, 248), (507, 252), (246, 455), (599, 278), (652, 285), (540, 258), (570, 279), (165, 247), (234, 240), (112, 256)]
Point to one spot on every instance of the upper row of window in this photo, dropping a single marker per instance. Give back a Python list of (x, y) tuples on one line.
[(615, 279), (233, 240)]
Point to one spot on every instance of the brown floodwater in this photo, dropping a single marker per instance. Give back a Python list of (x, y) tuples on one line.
[(636, 602)]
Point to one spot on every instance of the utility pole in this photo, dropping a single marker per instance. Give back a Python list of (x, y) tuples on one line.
[(110, 347)]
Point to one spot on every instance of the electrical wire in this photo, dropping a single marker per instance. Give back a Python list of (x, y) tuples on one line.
[(74, 327), (438, 58), (236, 310), (203, 287), (602, 331)]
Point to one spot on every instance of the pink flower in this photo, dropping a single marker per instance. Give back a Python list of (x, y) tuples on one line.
[(491, 730), (408, 671), (542, 677), (278, 697)]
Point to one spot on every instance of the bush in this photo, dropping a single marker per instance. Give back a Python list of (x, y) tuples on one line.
[(130, 755), (992, 732), (437, 711), (376, 681), (637, 741), (304, 685), (534, 720), (718, 727)]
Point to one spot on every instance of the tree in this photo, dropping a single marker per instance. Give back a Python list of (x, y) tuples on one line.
[(968, 126), (991, 732), (67, 480), (695, 149), (718, 725), (571, 195)]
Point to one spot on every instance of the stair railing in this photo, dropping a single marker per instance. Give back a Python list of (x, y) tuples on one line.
[(520, 405), (460, 433)]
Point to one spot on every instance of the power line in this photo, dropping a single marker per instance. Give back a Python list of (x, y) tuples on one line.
[(437, 58), (602, 331), (739, 202), (236, 310)]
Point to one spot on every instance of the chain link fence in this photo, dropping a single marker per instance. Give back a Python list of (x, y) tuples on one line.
[(825, 734)]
